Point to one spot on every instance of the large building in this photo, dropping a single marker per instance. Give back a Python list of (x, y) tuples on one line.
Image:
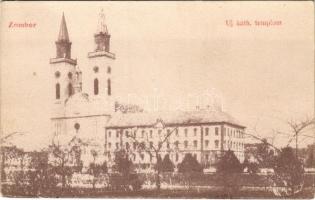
[(87, 112)]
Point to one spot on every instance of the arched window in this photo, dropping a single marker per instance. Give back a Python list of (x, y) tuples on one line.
[(70, 89), (96, 86), (109, 88), (57, 91)]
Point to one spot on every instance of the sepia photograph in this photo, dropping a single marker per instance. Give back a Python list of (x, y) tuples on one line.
[(178, 99)]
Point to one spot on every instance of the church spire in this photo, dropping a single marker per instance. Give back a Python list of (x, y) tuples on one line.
[(63, 32), (102, 28), (102, 37), (63, 44)]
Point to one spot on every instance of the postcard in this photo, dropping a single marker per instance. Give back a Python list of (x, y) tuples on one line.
[(178, 99)]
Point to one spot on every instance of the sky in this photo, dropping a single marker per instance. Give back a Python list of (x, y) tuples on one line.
[(173, 51)]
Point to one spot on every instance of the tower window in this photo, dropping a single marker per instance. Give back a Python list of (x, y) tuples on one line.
[(57, 91), (57, 74), (70, 75), (70, 89), (96, 86), (109, 92), (96, 69), (109, 70)]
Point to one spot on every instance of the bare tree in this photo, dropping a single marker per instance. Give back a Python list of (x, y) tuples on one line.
[(297, 127), (153, 150)]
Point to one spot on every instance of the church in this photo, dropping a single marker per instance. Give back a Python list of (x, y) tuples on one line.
[(87, 112)]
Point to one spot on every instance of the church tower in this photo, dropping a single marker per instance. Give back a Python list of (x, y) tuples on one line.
[(100, 69), (64, 74)]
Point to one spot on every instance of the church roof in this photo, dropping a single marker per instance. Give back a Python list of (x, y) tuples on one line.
[(121, 120), (63, 32)]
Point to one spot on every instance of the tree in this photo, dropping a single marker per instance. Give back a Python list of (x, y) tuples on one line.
[(252, 168), (297, 128), (310, 160), (96, 170), (228, 170), (62, 156), (263, 153), (167, 165), (154, 150), (42, 177), (189, 165), (289, 172), (123, 164), (125, 167)]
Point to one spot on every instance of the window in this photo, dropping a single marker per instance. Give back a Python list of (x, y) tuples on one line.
[(134, 145), (109, 145), (57, 74), (57, 91), (70, 89), (142, 133), (127, 133), (176, 132), (109, 70), (117, 145), (186, 132), (160, 145), (70, 75), (109, 92), (176, 157), (168, 145), (127, 145), (96, 69), (195, 143), (159, 131), (176, 144), (168, 131), (109, 134), (96, 86), (207, 157), (151, 133), (186, 143), (117, 134), (216, 131), (207, 131), (151, 145), (135, 134), (195, 156), (216, 143), (142, 156), (195, 131), (77, 126), (207, 143)]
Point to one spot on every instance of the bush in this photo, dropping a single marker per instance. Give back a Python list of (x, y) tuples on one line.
[(189, 165)]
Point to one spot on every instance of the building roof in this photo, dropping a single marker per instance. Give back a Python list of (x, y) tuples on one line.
[(120, 120), (63, 32)]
